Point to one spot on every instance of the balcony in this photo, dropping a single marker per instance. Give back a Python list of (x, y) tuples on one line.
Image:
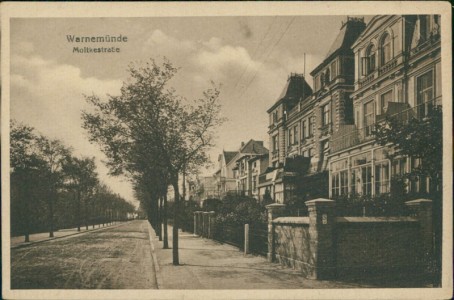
[(387, 67), (294, 111), (368, 79), (349, 135), (433, 39)]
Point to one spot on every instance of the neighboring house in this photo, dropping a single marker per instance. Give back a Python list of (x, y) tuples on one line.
[(250, 159), (202, 188), (398, 72), (303, 120), (224, 177)]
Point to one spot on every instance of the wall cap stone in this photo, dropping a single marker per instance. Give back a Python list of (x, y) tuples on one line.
[(275, 205), (291, 220), (375, 219), (418, 202), (321, 202)]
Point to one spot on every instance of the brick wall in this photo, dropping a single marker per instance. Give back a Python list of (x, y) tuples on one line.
[(366, 247), (322, 246), (292, 243)]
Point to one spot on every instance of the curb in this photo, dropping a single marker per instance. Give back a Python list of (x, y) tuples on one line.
[(157, 270), (23, 244)]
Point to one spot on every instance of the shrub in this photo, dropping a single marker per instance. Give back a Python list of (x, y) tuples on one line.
[(366, 205)]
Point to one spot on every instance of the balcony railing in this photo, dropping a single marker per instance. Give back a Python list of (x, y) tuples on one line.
[(348, 135), (434, 38), (366, 80), (386, 68), (293, 111), (274, 154)]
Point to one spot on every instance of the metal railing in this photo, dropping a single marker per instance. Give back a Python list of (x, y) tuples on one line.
[(230, 234), (258, 239), (349, 136)]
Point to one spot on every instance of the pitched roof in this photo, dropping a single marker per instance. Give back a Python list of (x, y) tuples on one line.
[(372, 26), (347, 35), (254, 147), (295, 89), (229, 155)]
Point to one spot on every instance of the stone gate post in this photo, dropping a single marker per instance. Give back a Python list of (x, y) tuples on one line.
[(321, 224), (274, 211), (422, 209)]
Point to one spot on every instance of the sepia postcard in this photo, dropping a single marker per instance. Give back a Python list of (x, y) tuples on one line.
[(226, 150)]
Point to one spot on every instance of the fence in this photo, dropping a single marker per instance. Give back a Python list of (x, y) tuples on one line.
[(230, 234), (258, 238), (251, 238)]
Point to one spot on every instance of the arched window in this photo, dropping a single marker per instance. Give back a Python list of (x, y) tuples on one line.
[(386, 54), (368, 63)]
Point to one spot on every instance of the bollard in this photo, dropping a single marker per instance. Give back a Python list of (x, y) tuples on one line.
[(246, 239)]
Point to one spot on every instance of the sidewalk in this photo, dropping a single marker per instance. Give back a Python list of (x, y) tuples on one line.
[(206, 264), (18, 241)]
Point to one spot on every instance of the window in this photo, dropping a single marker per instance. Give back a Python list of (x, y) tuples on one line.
[(326, 115), (384, 100), (333, 70), (344, 182), (322, 79), (335, 185), (368, 62), (424, 94), (339, 178), (304, 129), (275, 143), (254, 183), (424, 28), (295, 134), (399, 166), (290, 136), (366, 180), (368, 118), (309, 127), (327, 76), (386, 53), (361, 176), (381, 177), (275, 116)]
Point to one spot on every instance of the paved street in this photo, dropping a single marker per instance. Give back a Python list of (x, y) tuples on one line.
[(113, 258)]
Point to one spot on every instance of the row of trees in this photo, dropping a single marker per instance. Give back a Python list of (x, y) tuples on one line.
[(154, 136), (51, 188)]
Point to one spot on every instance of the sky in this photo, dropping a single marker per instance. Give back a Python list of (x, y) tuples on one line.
[(251, 57)]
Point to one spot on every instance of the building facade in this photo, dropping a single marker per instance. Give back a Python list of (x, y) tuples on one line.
[(397, 73), (303, 120), (250, 161), (224, 177)]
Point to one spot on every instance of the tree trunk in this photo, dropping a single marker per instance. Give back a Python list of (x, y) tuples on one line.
[(78, 210), (86, 212), (184, 186), (160, 218), (93, 214), (166, 236), (176, 260), (51, 215), (26, 200)]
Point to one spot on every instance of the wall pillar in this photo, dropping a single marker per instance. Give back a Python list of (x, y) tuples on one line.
[(321, 224), (210, 224), (195, 223), (205, 224), (274, 211), (422, 209)]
